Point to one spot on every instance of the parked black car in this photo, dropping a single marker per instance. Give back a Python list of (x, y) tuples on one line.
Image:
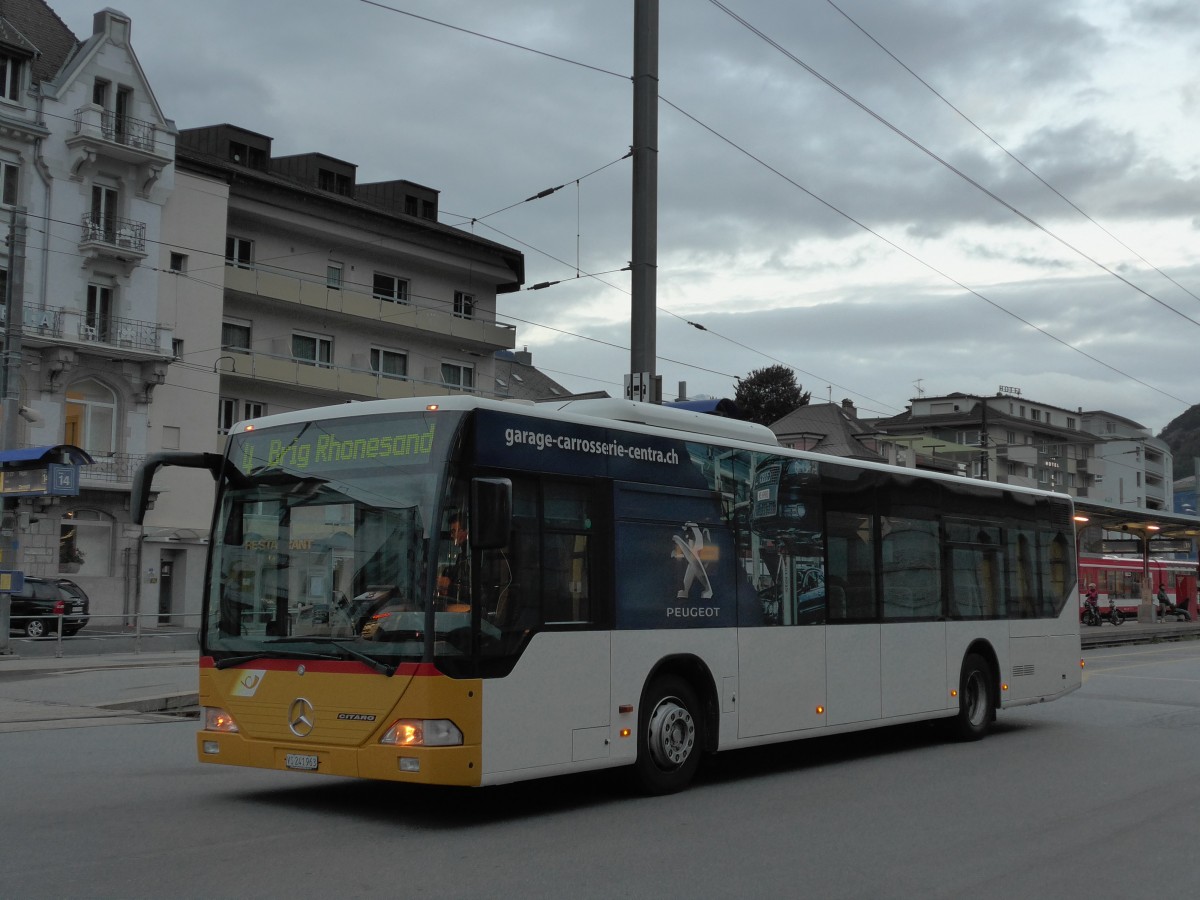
[(36, 608)]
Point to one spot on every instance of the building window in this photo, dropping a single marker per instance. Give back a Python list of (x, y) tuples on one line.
[(428, 209), (172, 437), (85, 539), (96, 319), (389, 363), (458, 375), (1035, 414), (410, 205), (311, 348), (333, 182), (100, 93), (235, 335), (10, 77), (230, 411), (121, 118), (389, 287), (91, 418), (11, 175), (102, 225), (333, 276), (177, 348), (1070, 423), (239, 252), (179, 263), (464, 305)]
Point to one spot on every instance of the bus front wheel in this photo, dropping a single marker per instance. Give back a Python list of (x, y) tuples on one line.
[(975, 712), (668, 750)]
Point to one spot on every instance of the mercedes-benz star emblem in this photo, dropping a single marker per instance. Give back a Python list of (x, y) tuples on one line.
[(300, 717)]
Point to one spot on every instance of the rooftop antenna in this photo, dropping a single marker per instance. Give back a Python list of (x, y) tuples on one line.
[(920, 390)]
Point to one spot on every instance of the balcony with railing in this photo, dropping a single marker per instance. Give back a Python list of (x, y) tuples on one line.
[(110, 469), (103, 133), (364, 384), (118, 337), (110, 236), (430, 318)]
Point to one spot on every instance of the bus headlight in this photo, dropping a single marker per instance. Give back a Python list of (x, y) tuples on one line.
[(423, 733), (216, 719)]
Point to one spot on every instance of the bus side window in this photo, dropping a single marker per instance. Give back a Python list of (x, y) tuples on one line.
[(850, 566), (1023, 590), (566, 573), (911, 574)]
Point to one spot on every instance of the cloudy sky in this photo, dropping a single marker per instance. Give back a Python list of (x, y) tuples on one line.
[(893, 197)]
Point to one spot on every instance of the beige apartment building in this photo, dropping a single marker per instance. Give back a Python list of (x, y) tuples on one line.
[(289, 285)]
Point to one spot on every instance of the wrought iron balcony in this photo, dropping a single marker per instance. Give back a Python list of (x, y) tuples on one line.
[(112, 468), (51, 324), (127, 130), (122, 234)]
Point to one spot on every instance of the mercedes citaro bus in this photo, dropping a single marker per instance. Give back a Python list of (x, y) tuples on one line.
[(633, 586)]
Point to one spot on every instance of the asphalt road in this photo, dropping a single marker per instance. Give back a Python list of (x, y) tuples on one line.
[(1091, 796)]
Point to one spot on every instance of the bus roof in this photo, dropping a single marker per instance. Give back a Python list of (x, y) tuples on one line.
[(638, 417)]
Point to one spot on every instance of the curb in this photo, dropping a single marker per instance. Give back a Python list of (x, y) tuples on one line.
[(168, 703)]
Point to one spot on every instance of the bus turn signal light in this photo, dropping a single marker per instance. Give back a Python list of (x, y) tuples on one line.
[(423, 733), (216, 719)]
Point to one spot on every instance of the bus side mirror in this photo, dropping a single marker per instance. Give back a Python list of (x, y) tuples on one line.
[(491, 513)]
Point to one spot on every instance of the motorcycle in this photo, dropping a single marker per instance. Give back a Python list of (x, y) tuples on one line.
[(1093, 616), (1114, 614)]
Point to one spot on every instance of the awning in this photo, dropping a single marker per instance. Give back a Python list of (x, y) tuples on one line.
[(52, 453), (1149, 523)]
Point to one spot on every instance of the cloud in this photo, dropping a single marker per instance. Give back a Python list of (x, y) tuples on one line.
[(1094, 96)]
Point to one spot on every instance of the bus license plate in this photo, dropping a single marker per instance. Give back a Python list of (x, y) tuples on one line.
[(306, 761)]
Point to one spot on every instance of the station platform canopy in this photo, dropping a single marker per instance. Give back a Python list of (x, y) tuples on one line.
[(1151, 524)]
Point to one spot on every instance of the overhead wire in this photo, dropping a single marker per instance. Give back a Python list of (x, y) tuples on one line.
[(944, 162), (861, 225), (1006, 151)]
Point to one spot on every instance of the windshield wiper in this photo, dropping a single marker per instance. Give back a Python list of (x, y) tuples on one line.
[(290, 654), (381, 667)]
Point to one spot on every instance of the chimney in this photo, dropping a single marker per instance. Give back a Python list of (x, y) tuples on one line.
[(849, 410), (524, 357)]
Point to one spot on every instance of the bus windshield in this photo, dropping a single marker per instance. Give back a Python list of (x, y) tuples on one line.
[(323, 528)]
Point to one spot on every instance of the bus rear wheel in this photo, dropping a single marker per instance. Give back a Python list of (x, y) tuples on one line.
[(975, 712), (669, 732)]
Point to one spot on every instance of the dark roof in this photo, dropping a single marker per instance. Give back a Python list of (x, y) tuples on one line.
[(834, 430), (33, 26), (191, 158), (520, 380)]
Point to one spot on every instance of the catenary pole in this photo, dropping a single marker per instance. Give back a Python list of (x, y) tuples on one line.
[(644, 262)]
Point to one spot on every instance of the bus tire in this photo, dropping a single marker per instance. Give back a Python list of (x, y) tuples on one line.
[(669, 738), (975, 711)]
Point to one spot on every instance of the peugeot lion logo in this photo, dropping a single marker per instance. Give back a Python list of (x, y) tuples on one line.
[(300, 717)]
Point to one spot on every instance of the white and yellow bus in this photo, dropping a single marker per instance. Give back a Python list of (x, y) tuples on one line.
[(476, 592)]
